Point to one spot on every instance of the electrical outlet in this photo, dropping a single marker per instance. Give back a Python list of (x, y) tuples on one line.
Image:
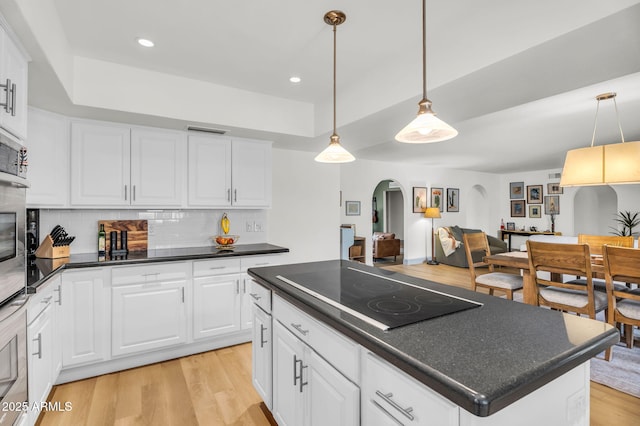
[(249, 226), (258, 226)]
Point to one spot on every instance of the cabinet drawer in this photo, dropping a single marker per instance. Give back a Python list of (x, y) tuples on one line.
[(203, 268), (258, 261), (125, 275), (260, 295), (341, 352), (388, 393), (42, 299)]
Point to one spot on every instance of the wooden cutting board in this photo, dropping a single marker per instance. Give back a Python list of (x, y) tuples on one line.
[(137, 232)]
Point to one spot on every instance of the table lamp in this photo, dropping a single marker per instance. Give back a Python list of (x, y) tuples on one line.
[(433, 213)]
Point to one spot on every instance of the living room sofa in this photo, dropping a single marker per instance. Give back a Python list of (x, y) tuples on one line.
[(459, 257), (385, 245)]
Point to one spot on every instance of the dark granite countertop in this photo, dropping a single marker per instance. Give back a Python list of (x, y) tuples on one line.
[(482, 359), (39, 270)]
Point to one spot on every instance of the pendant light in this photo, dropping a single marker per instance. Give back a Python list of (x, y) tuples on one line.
[(616, 163), (426, 127), (334, 153)]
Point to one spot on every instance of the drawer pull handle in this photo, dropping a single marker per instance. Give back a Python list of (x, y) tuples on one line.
[(262, 341), (295, 369), (255, 296), (59, 290), (404, 411), (217, 267), (39, 340), (46, 300), (262, 264), (385, 411), (302, 366), (300, 329)]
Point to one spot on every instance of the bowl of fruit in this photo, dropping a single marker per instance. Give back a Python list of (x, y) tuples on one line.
[(225, 242)]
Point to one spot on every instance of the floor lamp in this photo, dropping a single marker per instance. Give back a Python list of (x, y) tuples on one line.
[(433, 213)]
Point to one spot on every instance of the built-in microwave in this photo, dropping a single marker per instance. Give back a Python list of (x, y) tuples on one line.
[(12, 237)]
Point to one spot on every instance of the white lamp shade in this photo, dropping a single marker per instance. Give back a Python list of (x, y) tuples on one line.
[(622, 163), (335, 153), (583, 167), (426, 128)]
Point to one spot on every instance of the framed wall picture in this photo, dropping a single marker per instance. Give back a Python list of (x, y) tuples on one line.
[(436, 198), (517, 208), (535, 211), (453, 199), (352, 208), (552, 204), (534, 194), (511, 226), (516, 190), (554, 188), (419, 199)]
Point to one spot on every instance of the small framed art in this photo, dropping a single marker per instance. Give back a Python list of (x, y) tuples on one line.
[(419, 199), (554, 188), (535, 211), (436, 198), (517, 208), (552, 204), (352, 208), (453, 200), (511, 226), (534, 194), (516, 190)]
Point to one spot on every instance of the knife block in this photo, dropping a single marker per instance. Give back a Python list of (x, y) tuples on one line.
[(48, 251)]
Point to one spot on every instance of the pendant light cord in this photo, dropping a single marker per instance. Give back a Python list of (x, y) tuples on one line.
[(424, 49), (334, 79), (595, 124)]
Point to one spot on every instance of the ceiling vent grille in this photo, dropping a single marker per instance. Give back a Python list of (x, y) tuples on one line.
[(555, 175), (206, 130)]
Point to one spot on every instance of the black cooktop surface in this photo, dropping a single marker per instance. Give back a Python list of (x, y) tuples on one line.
[(381, 301)]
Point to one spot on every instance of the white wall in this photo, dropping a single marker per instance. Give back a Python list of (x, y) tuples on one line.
[(360, 178)]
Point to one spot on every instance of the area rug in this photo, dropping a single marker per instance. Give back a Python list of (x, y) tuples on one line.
[(621, 373)]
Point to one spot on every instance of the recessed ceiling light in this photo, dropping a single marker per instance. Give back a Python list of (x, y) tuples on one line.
[(144, 42), (295, 79)]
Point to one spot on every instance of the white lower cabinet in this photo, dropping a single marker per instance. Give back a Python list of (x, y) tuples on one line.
[(149, 307), (261, 355), (84, 316), (391, 397), (307, 390)]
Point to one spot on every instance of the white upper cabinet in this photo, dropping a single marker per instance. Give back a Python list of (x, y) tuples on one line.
[(115, 166), (49, 169), (225, 172), (158, 160), (100, 165), (13, 88)]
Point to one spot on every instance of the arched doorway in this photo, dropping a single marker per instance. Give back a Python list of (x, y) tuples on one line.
[(388, 211), (480, 216), (595, 208)]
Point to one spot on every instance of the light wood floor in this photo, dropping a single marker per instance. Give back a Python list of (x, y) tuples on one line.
[(214, 388)]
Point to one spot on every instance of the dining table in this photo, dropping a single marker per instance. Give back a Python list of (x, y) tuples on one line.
[(520, 260)]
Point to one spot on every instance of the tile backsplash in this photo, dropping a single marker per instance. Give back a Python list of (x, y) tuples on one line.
[(167, 228)]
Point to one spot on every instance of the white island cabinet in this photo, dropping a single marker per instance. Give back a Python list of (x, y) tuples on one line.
[(262, 338), (307, 388)]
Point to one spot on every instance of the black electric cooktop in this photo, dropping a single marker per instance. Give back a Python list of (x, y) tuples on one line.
[(384, 302)]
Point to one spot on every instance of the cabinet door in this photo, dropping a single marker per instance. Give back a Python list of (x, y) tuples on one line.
[(13, 67), (209, 171), (100, 165), (246, 303), (157, 167), (49, 170), (40, 344), (261, 359), (216, 305), (330, 398), (85, 329), (287, 368), (148, 316), (56, 325), (251, 168)]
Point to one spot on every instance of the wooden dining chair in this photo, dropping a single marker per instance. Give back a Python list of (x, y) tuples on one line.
[(595, 243), (507, 283), (558, 259), (622, 264)]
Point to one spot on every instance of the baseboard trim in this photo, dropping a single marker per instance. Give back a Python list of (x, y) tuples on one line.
[(414, 261)]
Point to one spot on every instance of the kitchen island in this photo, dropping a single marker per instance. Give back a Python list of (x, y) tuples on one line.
[(486, 359)]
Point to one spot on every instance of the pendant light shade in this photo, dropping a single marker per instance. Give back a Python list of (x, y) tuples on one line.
[(334, 153), (617, 163), (426, 127)]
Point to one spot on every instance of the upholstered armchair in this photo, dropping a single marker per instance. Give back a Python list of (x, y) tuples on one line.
[(385, 245)]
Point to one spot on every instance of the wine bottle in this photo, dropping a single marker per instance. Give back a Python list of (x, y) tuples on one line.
[(102, 241)]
